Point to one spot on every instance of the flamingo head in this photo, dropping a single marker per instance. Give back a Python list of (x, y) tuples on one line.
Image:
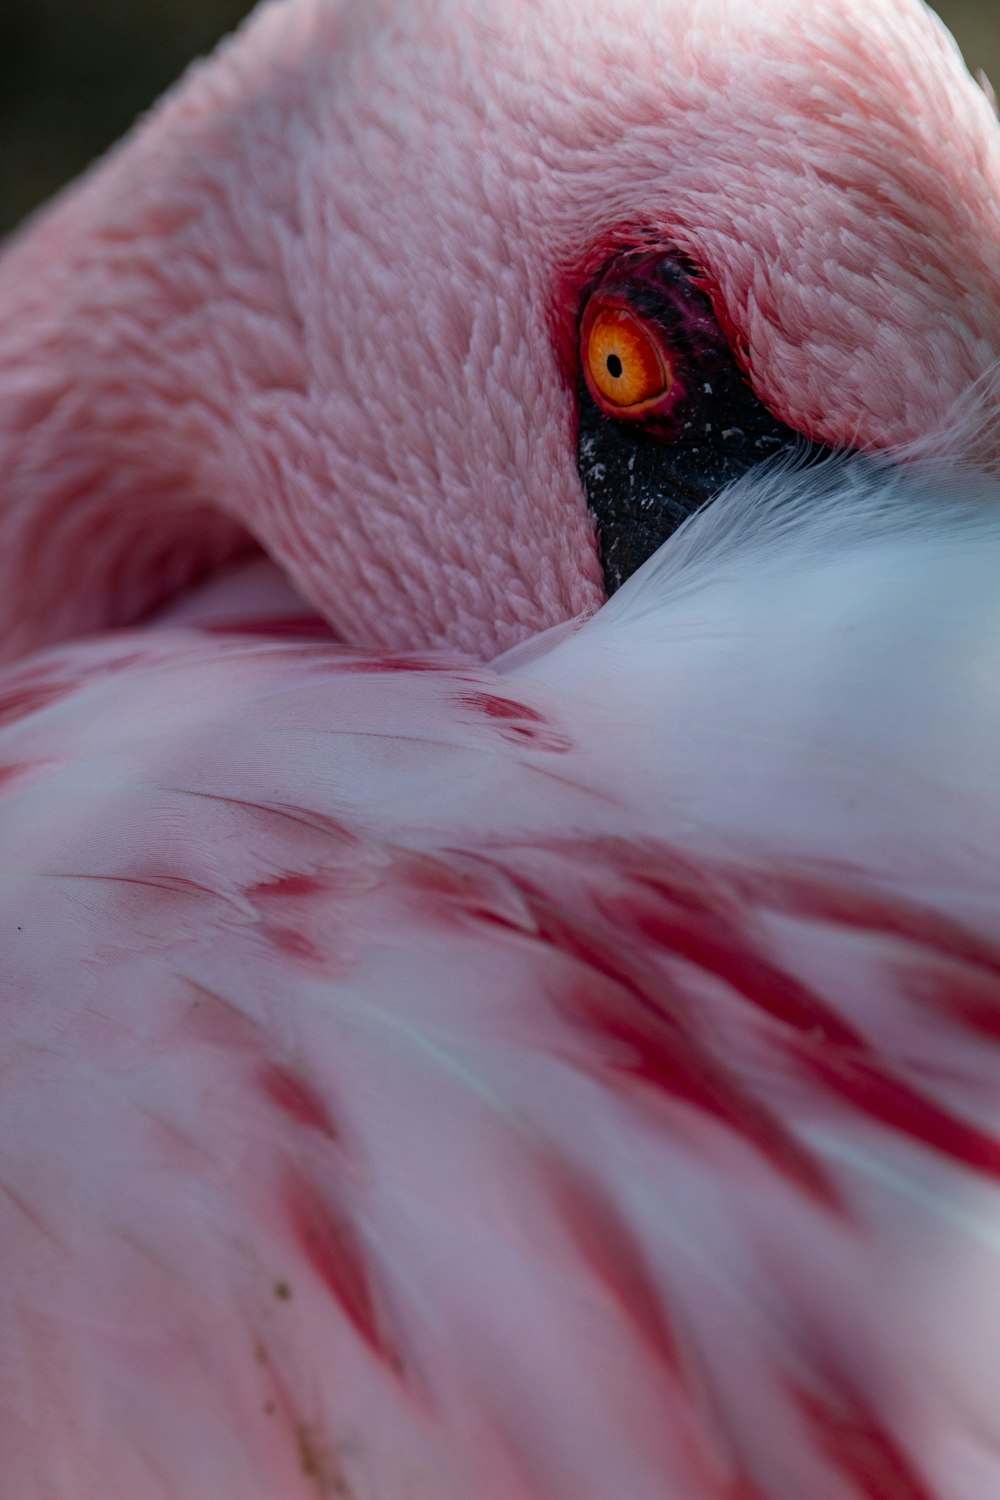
[(413, 295)]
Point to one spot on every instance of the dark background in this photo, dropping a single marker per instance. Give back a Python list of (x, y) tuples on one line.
[(75, 73)]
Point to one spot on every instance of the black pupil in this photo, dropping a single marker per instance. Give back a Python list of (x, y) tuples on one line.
[(614, 366)]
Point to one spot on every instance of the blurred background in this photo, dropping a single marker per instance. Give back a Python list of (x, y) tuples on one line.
[(74, 74)]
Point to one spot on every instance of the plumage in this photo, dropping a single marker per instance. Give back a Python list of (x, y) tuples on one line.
[(328, 295), (571, 1075), (539, 1080)]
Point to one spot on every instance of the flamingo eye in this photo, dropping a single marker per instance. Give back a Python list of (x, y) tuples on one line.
[(667, 415), (624, 364)]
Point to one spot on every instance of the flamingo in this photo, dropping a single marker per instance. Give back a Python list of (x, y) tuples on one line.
[(462, 1037)]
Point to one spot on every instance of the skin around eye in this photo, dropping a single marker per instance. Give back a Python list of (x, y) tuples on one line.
[(624, 365)]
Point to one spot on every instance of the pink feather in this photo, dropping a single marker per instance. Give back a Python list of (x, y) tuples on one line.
[(569, 1077), (429, 1079)]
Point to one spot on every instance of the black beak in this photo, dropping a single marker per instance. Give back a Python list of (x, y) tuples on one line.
[(640, 484)]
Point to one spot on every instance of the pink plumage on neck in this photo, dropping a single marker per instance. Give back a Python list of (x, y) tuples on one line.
[(325, 297)]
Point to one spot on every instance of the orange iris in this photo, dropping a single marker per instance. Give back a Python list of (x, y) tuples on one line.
[(622, 360)]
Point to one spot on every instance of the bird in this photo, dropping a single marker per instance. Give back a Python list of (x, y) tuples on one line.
[(498, 795)]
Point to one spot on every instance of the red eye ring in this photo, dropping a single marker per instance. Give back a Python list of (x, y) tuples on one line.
[(627, 370)]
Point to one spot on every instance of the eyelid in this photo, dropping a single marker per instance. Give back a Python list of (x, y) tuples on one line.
[(610, 323)]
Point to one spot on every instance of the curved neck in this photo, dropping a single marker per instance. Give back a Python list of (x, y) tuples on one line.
[(102, 509)]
